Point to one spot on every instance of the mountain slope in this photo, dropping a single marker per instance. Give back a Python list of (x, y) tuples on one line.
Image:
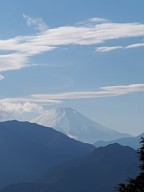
[(98, 171), (28, 149), (127, 141), (76, 125)]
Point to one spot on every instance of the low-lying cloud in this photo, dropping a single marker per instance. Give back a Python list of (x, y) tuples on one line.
[(34, 103)]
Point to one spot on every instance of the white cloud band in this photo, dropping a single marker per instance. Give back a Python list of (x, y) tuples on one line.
[(112, 48), (100, 30), (34, 103), (109, 91)]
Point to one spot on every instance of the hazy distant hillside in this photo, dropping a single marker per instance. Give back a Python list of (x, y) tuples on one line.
[(28, 149), (127, 141), (99, 171), (76, 125)]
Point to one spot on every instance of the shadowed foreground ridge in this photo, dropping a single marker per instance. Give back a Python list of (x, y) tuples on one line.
[(29, 149), (100, 171)]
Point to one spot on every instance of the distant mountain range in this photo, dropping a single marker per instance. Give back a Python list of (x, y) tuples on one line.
[(127, 141), (28, 149), (76, 125), (100, 170)]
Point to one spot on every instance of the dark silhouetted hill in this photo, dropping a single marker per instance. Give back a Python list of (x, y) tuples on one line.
[(99, 171), (28, 149)]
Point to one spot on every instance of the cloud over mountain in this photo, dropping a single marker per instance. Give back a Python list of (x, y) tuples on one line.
[(35, 102)]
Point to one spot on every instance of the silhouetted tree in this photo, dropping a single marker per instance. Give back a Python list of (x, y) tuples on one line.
[(136, 184)]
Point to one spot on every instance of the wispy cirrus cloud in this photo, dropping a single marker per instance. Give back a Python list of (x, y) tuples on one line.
[(92, 21), (1, 77), (136, 45), (98, 20), (20, 49), (39, 24), (35, 102), (112, 48), (108, 49), (108, 91), (30, 99)]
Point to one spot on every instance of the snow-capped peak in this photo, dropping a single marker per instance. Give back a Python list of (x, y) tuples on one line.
[(75, 125)]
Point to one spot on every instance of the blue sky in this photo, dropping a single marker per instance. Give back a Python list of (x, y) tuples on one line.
[(84, 54)]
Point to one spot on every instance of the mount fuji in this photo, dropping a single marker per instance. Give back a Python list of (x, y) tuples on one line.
[(77, 126)]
